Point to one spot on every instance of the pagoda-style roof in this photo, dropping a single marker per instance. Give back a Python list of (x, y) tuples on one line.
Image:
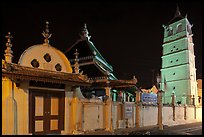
[(17, 72), (89, 55), (114, 84), (95, 65), (176, 17), (86, 51)]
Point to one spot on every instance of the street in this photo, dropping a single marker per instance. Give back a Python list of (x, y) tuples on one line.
[(187, 129)]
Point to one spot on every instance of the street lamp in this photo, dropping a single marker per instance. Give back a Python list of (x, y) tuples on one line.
[(159, 101)]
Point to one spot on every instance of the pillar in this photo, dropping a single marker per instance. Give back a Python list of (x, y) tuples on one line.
[(108, 110), (9, 108), (160, 110), (74, 112), (137, 109), (124, 97), (173, 105)]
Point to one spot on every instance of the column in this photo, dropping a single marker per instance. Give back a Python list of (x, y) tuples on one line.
[(137, 109), (74, 111), (108, 110), (160, 110), (173, 105)]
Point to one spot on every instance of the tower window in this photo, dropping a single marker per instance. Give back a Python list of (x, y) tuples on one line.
[(170, 32), (174, 73), (179, 28), (171, 61), (174, 87), (177, 60), (172, 50), (174, 46)]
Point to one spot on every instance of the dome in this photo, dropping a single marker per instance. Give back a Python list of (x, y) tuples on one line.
[(44, 56)]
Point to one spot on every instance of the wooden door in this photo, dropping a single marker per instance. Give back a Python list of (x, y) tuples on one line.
[(47, 112)]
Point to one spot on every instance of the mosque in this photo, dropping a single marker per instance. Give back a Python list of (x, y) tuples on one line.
[(51, 92)]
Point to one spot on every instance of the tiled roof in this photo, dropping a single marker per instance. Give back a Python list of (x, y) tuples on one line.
[(114, 83), (15, 71)]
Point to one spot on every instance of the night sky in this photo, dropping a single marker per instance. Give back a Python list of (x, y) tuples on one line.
[(129, 35)]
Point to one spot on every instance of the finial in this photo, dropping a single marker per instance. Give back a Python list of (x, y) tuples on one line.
[(8, 52), (85, 34), (76, 65), (76, 54), (177, 11), (46, 34)]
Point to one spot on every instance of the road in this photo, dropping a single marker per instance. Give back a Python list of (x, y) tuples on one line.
[(187, 129)]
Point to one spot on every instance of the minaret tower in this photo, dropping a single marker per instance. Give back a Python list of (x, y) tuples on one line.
[(178, 70)]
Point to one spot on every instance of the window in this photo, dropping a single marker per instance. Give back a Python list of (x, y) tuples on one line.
[(177, 60), (172, 50), (179, 28), (58, 67), (174, 46), (35, 63), (47, 57), (174, 87), (171, 61), (174, 73), (170, 32)]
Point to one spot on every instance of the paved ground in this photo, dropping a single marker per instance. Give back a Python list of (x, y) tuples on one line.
[(185, 129)]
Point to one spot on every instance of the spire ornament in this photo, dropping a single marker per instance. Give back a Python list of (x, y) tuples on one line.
[(177, 11), (46, 34), (84, 33), (76, 65), (8, 52)]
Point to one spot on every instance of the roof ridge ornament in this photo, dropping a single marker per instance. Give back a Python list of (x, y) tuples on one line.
[(46, 34), (84, 33), (8, 52), (76, 64), (177, 11)]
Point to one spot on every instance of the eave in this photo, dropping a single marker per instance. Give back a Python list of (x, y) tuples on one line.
[(22, 73)]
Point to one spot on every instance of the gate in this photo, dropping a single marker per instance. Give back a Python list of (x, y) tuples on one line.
[(92, 116)]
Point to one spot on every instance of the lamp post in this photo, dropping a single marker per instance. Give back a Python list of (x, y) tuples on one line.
[(159, 101)]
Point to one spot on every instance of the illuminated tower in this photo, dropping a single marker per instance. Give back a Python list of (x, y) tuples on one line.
[(178, 61)]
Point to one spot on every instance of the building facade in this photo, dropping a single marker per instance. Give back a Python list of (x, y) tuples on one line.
[(178, 70), (37, 91), (42, 94)]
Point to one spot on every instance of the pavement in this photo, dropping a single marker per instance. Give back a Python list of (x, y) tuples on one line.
[(147, 130)]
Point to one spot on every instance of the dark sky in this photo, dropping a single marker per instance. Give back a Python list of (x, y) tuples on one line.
[(129, 35)]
